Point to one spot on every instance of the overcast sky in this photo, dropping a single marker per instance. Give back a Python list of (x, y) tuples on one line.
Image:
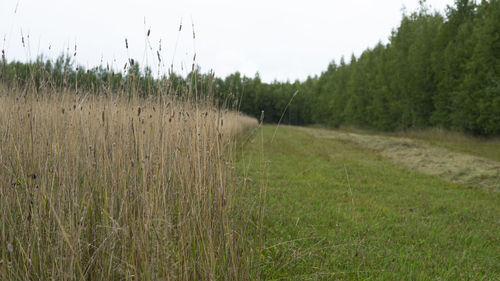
[(281, 39)]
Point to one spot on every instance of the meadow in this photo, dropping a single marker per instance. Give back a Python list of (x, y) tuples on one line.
[(335, 209), (106, 188), (122, 173)]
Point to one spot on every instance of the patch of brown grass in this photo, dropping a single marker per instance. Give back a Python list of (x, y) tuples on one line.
[(236, 123), (105, 189)]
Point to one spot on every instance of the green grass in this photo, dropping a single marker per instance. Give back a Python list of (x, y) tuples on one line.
[(336, 211)]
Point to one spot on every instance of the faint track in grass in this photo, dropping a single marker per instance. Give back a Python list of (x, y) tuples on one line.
[(465, 169)]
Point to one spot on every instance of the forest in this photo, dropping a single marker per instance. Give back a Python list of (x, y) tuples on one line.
[(437, 70)]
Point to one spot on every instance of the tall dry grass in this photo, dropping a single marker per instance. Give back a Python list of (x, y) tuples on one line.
[(102, 188)]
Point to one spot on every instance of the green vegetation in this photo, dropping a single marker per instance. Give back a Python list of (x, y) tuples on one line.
[(436, 70), (130, 176), (336, 211)]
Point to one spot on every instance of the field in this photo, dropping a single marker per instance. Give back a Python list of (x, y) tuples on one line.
[(142, 162), (168, 188), (329, 207), (105, 188)]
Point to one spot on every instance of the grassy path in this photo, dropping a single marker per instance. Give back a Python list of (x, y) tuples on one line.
[(334, 210)]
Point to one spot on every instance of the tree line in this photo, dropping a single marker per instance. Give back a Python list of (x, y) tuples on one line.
[(436, 70)]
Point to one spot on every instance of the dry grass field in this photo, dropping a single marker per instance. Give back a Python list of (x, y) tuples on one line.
[(99, 188)]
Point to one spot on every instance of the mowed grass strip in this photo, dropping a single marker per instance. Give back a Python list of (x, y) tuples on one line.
[(420, 156), (488, 148), (336, 211)]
